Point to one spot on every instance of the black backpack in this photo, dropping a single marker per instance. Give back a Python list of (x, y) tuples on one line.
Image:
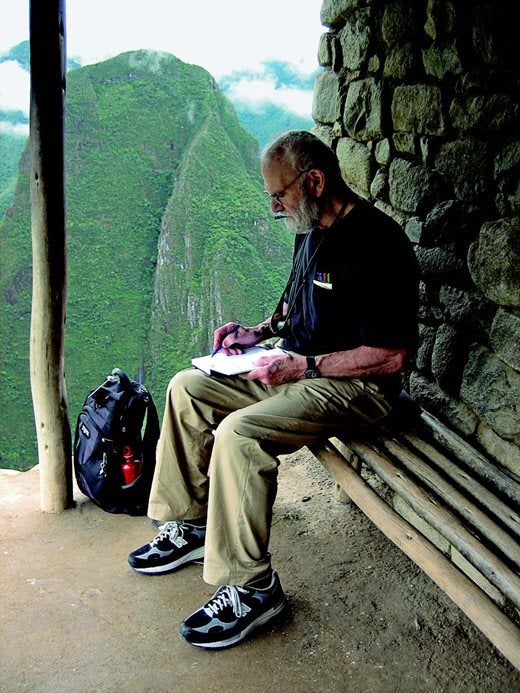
[(114, 459)]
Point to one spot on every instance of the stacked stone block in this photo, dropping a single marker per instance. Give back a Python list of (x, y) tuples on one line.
[(420, 101)]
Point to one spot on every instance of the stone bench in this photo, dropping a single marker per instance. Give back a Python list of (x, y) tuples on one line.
[(449, 508)]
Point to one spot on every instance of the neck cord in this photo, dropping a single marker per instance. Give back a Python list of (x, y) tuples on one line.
[(295, 292)]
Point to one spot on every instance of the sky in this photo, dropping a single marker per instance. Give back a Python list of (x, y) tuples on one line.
[(219, 35)]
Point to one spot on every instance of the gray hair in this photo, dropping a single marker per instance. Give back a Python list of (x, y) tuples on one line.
[(304, 151)]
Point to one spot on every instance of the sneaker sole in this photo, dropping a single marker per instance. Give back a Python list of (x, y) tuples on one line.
[(238, 637), (194, 556)]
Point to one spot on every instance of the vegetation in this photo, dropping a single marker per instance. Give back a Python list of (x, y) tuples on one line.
[(11, 148), (268, 120), (168, 235)]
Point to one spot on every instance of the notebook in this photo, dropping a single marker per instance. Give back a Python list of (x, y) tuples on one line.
[(234, 364)]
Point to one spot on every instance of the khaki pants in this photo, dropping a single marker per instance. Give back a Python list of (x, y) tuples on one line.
[(217, 456)]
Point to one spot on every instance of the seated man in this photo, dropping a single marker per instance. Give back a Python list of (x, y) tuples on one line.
[(348, 323)]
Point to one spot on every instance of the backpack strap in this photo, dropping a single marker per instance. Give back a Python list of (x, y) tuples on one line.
[(125, 380), (152, 429)]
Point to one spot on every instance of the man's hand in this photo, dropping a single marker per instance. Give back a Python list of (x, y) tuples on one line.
[(233, 339), (276, 370)]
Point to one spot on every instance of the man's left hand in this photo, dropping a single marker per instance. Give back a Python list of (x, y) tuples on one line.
[(277, 370)]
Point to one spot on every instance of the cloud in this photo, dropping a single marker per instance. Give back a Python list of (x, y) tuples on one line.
[(222, 37), (257, 92), (219, 36), (20, 130), (14, 87), (150, 60), (277, 82)]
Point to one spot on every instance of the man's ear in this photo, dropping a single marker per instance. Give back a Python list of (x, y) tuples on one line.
[(316, 182)]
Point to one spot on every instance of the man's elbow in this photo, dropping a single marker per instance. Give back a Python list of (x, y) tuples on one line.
[(397, 361)]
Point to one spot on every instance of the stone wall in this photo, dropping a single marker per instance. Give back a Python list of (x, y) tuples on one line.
[(420, 101)]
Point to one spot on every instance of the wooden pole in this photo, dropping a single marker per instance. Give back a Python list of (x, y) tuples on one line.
[(47, 43), (502, 632)]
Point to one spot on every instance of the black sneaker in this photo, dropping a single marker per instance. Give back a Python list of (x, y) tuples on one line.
[(233, 613), (177, 543)]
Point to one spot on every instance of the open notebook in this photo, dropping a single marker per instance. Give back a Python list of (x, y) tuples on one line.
[(236, 363)]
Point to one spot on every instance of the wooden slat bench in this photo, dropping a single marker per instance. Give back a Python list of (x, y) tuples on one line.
[(448, 507)]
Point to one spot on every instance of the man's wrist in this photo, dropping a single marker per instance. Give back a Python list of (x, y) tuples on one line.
[(311, 368), (263, 330)]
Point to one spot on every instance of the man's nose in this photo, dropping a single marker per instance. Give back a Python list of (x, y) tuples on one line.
[(276, 205)]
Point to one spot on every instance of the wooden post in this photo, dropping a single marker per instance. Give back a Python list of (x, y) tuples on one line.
[(48, 61)]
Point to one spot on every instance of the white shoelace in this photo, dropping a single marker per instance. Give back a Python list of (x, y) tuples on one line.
[(227, 596), (170, 530)]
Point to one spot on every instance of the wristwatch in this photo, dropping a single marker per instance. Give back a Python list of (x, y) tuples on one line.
[(312, 369)]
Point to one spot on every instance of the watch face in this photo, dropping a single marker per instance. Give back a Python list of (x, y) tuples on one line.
[(311, 374)]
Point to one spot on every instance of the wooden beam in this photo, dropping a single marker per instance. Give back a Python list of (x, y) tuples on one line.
[(47, 44), (487, 470), (502, 632), (483, 523), (446, 523), (463, 479)]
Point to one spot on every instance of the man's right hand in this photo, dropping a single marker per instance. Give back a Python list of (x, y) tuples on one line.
[(229, 339)]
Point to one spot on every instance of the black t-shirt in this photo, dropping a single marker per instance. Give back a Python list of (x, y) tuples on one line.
[(360, 286)]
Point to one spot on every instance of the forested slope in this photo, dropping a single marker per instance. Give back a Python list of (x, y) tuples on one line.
[(168, 234)]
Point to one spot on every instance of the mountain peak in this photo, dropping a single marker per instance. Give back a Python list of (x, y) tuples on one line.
[(21, 54)]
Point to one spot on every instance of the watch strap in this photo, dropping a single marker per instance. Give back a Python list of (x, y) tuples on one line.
[(312, 369)]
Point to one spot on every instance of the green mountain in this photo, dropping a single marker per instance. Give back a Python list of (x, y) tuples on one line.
[(168, 235), (264, 119), (14, 126)]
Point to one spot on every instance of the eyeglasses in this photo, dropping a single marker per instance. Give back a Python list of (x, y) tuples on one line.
[(278, 195)]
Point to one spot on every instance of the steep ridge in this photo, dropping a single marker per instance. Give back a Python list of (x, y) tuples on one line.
[(168, 234), (14, 123)]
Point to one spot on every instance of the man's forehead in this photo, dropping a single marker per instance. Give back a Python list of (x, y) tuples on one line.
[(277, 169)]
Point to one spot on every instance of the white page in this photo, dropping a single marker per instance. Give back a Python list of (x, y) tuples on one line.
[(233, 364)]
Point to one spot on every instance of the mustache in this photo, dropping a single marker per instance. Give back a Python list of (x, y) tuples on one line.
[(305, 217)]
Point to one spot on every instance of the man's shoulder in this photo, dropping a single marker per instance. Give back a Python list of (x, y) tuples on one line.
[(367, 226), (365, 213), (372, 235)]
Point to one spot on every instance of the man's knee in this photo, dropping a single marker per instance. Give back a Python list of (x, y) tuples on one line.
[(190, 381), (227, 428), (238, 425)]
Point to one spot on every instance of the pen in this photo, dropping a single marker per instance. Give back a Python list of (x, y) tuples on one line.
[(233, 330)]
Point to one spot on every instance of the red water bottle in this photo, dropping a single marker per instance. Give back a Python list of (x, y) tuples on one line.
[(131, 467)]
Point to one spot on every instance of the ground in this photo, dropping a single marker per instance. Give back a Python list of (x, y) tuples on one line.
[(361, 618)]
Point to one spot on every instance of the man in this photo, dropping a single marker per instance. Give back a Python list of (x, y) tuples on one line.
[(348, 323)]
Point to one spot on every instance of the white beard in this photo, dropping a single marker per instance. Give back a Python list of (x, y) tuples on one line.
[(307, 217)]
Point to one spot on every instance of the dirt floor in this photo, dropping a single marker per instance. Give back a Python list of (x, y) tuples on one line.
[(361, 617)]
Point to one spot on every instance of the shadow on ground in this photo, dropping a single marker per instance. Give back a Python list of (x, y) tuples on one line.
[(361, 618)]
